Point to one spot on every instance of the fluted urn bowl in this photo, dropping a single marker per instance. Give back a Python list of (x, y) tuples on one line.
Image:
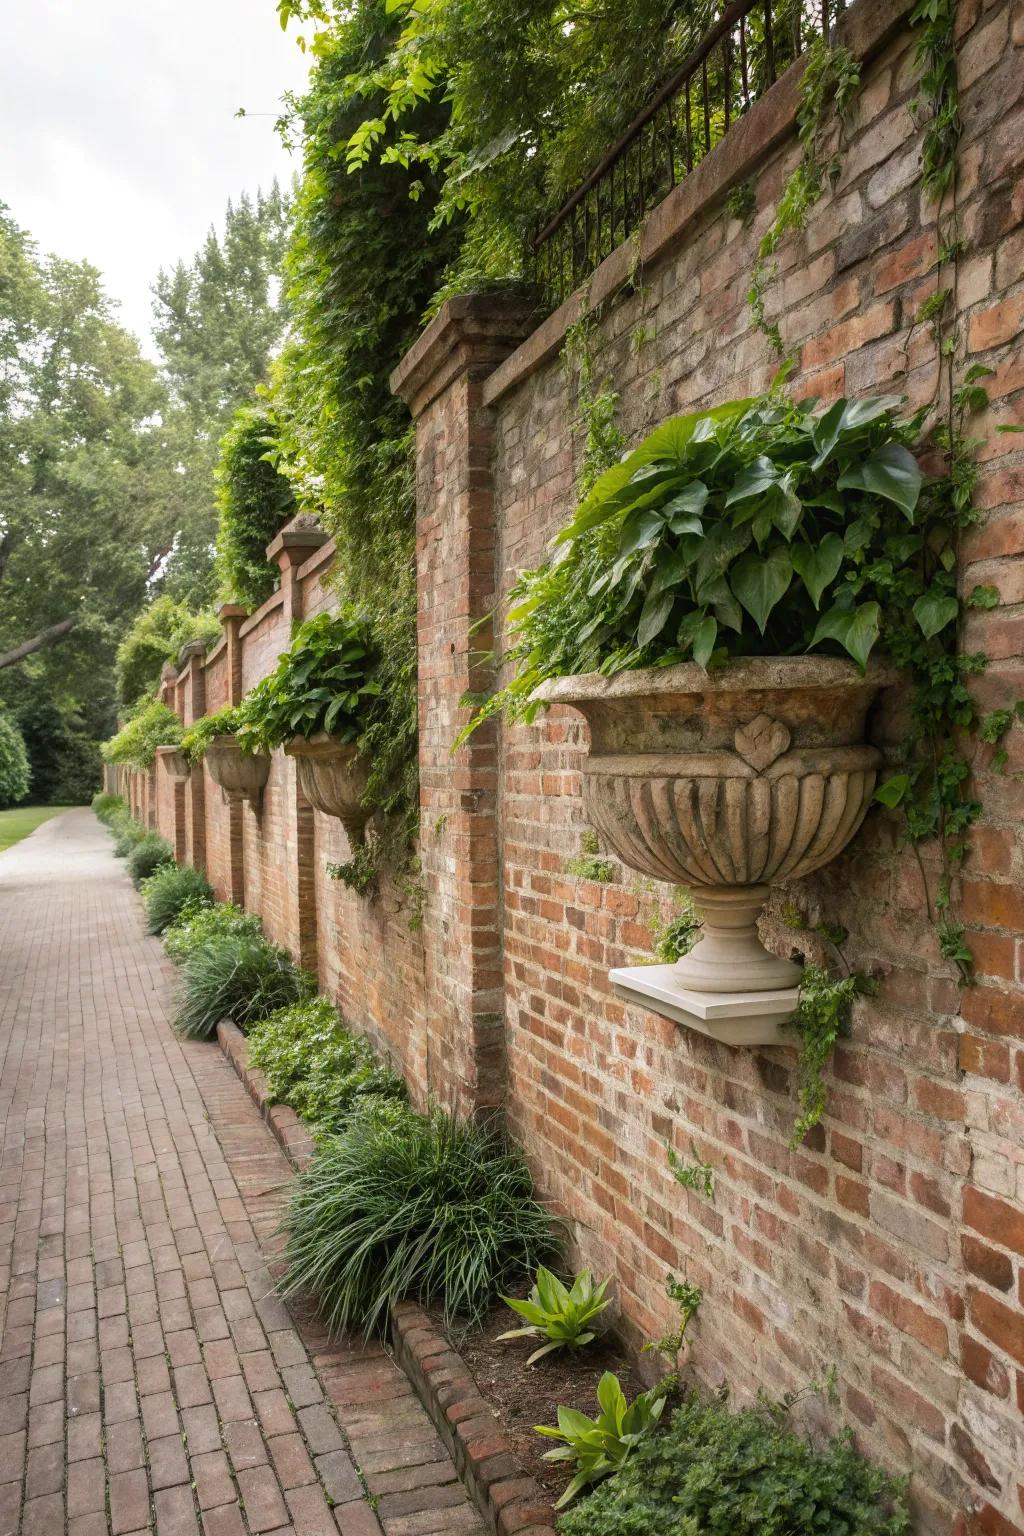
[(333, 776), (241, 775), (175, 763), (725, 782)]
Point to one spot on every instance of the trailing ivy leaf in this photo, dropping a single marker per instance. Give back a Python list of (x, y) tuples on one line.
[(846, 418), (654, 616), (687, 504), (698, 631), (672, 569), (891, 472), (719, 599), (856, 629), (984, 597), (754, 480), (893, 791), (934, 611), (719, 550), (639, 530), (760, 581), (818, 567)]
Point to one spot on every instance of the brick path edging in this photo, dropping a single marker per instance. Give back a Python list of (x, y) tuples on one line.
[(512, 1503)]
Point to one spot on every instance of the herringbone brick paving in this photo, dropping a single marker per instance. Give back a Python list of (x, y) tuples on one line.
[(150, 1379)]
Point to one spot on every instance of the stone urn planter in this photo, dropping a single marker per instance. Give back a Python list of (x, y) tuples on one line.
[(175, 763), (332, 776), (241, 775), (724, 783)]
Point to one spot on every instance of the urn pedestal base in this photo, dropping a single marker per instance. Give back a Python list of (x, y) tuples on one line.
[(729, 957), (734, 1018)]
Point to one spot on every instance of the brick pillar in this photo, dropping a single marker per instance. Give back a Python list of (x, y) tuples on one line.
[(291, 548), (441, 379), (191, 705), (231, 616)]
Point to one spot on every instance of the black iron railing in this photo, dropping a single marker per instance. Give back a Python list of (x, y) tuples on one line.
[(735, 61)]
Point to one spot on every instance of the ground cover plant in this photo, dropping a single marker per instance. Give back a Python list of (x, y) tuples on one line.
[(316, 1065), (740, 1474), (237, 977), (402, 1206), (198, 925), (169, 889), (149, 853)]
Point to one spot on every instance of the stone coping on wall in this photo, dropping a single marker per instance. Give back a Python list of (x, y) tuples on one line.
[(512, 1503), (257, 616), (864, 29)]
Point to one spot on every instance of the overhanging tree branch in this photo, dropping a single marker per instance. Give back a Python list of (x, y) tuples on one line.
[(45, 637)]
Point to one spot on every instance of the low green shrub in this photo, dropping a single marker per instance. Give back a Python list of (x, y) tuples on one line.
[(418, 1207), (150, 851), (312, 1062), (557, 1313), (198, 925), (740, 1474), (106, 807), (598, 1447), (237, 977), (171, 888), (15, 773), (126, 832)]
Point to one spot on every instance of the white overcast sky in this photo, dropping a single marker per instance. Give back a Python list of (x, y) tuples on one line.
[(118, 136)]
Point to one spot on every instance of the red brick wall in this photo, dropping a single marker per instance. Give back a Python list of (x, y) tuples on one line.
[(893, 1243)]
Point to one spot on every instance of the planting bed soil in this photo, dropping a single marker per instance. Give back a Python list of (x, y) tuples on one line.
[(522, 1396)]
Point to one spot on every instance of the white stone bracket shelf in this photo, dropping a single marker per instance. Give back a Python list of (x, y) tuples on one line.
[(734, 1018)]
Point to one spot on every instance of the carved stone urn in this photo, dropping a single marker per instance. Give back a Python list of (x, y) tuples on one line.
[(725, 782), (175, 763), (332, 776), (241, 775)]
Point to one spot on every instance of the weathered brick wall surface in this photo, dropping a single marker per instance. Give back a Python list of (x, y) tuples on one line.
[(892, 1242)]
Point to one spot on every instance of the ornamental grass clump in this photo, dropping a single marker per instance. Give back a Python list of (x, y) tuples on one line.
[(149, 853), (316, 1065), (198, 925), (240, 978), (741, 1474), (422, 1207), (170, 889)]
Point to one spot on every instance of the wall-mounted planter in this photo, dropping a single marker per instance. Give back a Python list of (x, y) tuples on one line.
[(241, 775), (175, 763), (724, 783), (333, 776)]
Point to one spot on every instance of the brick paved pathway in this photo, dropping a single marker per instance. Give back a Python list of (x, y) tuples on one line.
[(149, 1377)]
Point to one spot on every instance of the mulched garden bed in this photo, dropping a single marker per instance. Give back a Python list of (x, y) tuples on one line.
[(522, 1396)]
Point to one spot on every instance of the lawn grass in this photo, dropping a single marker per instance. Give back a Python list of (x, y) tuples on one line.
[(23, 819)]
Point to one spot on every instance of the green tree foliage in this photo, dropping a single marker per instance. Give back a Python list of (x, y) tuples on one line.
[(156, 636), (362, 267), (253, 499), (14, 773), (218, 319), (530, 94)]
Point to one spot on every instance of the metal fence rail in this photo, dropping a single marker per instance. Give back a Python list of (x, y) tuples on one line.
[(733, 64)]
